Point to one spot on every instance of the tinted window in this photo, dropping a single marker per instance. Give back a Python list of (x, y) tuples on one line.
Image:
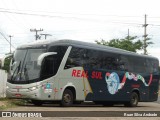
[(124, 64), (75, 58), (101, 60), (155, 65), (61, 50), (137, 64), (151, 65), (112, 60), (49, 67), (51, 63), (92, 59)]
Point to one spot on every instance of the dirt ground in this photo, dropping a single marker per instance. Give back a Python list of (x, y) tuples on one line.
[(2, 103)]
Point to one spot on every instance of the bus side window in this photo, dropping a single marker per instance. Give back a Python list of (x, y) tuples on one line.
[(75, 58), (125, 65), (138, 64), (155, 66), (148, 66), (49, 66), (151, 66), (102, 60), (92, 59)]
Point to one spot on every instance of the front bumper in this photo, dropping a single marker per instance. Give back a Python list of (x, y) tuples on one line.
[(22, 93)]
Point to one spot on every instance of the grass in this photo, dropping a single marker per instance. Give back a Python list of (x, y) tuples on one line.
[(6, 104), (9, 103)]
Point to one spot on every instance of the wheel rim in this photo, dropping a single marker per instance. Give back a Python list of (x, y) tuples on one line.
[(67, 98), (134, 100)]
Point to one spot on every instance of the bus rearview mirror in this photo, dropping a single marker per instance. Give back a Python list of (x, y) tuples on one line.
[(42, 56)]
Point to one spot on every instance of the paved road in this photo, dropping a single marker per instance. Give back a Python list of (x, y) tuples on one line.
[(142, 106), (94, 111)]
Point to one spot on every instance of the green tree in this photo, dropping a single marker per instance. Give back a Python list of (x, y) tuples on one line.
[(7, 63), (146, 44), (128, 43)]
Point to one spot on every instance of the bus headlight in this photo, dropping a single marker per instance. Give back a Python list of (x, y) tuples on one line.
[(32, 88), (7, 87)]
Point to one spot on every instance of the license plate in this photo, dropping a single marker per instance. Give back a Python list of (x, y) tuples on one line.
[(18, 95)]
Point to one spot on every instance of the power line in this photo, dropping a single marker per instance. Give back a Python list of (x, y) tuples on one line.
[(22, 13), (43, 15), (154, 25), (58, 16), (51, 16), (69, 13), (12, 19)]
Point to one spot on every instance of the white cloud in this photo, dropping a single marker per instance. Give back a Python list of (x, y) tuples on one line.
[(80, 19), (154, 52)]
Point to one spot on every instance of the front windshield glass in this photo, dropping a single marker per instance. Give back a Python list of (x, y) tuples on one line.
[(24, 68)]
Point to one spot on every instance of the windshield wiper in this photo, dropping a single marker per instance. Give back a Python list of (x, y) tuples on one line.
[(19, 66), (26, 73), (17, 69)]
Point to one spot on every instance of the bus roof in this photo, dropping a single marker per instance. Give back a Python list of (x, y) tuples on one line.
[(68, 42)]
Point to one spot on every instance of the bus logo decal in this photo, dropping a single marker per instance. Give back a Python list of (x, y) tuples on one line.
[(47, 88), (112, 81)]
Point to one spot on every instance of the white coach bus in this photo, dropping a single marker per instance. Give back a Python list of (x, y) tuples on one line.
[(69, 71)]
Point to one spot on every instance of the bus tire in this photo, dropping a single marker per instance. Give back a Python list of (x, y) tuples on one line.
[(67, 98), (134, 98), (37, 102)]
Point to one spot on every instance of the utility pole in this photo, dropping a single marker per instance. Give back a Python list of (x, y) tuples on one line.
[(36, 31), (46, 35), (145, 35), (128, 34), (10, 42)]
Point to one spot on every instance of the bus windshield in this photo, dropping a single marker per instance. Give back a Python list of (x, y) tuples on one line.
[(24, 68)]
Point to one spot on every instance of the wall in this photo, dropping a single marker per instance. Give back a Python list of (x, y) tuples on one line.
[(3, 80)]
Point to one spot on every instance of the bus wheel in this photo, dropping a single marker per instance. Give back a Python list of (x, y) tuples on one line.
[(133, 100), (67, 98), (37, 102)]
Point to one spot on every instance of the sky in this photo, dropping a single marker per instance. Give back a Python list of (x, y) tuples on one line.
[(84, 20)]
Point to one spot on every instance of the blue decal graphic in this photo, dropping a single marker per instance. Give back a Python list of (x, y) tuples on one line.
[(48, 86), (112, 81)]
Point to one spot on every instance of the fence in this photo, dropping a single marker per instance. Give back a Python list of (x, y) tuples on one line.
[(3, 80)]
